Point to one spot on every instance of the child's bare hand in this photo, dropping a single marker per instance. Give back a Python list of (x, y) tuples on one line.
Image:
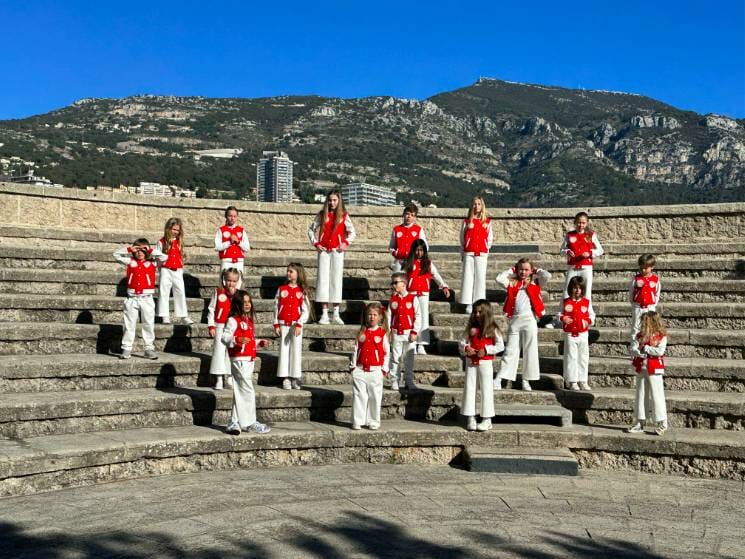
[(585, 255), (297, 330), (570, 252), (567, 320), (446, 291), (243, 340), (412, 337), (261, 343), (276, 330)]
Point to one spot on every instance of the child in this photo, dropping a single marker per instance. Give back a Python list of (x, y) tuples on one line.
[(576, 318), (170, 253), (231, 242), (523, 306), (403, 235), (368, 367), (419, 271), (482, 341), (217, 315), (331, 232), (648, 351), (405, 318), (140, 273), (644, 292), (238, 335), (291, 309), (475, 241)]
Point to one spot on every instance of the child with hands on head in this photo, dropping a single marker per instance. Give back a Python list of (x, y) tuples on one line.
[(405, 320), (170, 253), (403, 235), (218, 311), (576, 318), (291, 310), (644, 292), (475, 241)]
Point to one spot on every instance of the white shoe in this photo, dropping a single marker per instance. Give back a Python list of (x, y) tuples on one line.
[(661, 428), (394, 384), (259, 428), (229, 381), (286, 384), (165, 320), (485, 424), (573, 386), (233, 429), (420, 350), (150, 354), (373, 426), (356, 427), (637, 427), (469, 309), (126, 354), (584, 386), (471, 425), (324, 319), (526, 386), (337, 319), (218, 383), (497, 383), (295, 384), (550, 325), (186, 321)]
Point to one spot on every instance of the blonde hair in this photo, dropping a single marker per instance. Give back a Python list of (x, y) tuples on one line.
[(488, 324), (482, 218), (651, 325), (226, 272), (167, 235), (375, 305), (338, 213), (302, 282)]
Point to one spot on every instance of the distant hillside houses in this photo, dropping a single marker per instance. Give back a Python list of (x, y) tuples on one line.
[(149, 189)]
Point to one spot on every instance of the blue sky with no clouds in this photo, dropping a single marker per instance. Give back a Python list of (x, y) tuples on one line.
[(686, 53)]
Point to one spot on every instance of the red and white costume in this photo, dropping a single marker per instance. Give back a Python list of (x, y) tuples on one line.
[(242, 360), (231, 253), (523, 305), (479, 373), (171, 277), (217, 315), (291, 309), (579, 264), (402, 237), (404, 318), (369, 364), (333, 239), (649, 363), (576, 338), (418, 284), (475, 242), (139, 302), (644, 295)]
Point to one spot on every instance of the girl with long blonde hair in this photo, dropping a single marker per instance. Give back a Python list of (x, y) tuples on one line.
[(476, 238), (170, 254)]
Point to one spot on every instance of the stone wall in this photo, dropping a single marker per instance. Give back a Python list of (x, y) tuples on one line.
[(110, 211)]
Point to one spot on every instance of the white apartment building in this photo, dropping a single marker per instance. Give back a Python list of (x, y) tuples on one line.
[(364, 194), (274, 177)]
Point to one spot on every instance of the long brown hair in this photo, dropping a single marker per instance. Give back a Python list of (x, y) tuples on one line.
[(302, 282), (167, 235), (483, 209), (651, 325), (236, 305), (486, 323), (381, 311), (409, 266), (588, 231), (338, 213)]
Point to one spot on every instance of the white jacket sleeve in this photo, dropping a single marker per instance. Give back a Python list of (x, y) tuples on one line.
[(244, 244), (542, 277), (634, 349), (211, 309), (564, 247), (505, 277), (275, 309), (462, 344), (353, 360), (490, 236), (423, 236), (123, 256), (497, 347), (436, 276), (658, 291), (158, 253), (386, 353), (597, 250), (349, 228), (632, 284), (463, 237), (392, 242), (228, 337), (313, 229), (658, 350), (591, 312), (220, 244), (417, 316), (304, 312)]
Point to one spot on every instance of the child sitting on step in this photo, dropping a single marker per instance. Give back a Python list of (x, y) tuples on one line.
[(291, 310), (403, 235), (648, 352), (576, 318), (405, 319), (644, 292), (170, 253), (217, 315)]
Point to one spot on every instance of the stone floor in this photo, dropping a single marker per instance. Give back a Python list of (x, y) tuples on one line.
[(380, 511)]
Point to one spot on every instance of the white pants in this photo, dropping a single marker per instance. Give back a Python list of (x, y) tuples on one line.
[(330, 277), (576, 357), (220, 362), (586, 274), (141, 306), (172, 279), (290, 353), (481, 375), (650, 397), (522, 333), (367, 396), (636, 318), (244, 397), (402, 348), (473, 286), (227, 264), (423, 337)]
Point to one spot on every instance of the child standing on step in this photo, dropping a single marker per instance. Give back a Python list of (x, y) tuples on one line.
[(330, 233), (644, 292), (576, 318), (482, 341), (231, 242), (140, 274), (217, 315), (419, 271), (291, 309), (523, 306), (238, 336), (170, 253), (475, 242), (405, 320), (403, 235), (368, 366), (648, 352)]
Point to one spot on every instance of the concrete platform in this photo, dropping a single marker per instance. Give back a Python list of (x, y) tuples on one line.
[(522, 461)]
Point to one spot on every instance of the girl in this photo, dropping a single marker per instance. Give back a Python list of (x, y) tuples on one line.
[(403, 235), (217, 315), (331, 232), (231, 242), (576, 317), (419, 271), (648, 352), (368, 366), (644, 292), (482, 341), (291, 310), (170, 253), (523, 306), (238, 335), (475, 241), (404, 319)]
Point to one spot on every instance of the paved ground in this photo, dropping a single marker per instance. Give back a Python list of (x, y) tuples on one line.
[(380, 511)]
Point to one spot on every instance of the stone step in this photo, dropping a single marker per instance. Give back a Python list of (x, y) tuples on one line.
[(521, 460), (46, 463)]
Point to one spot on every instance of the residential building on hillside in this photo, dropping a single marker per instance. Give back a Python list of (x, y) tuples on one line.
[(274, 177), (364, 194)]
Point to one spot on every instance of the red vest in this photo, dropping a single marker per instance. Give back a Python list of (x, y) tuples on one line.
[(405, 236), (245, 328), (174, 261), (534, 294), (477, 343), (418, 282), (333, 235), (579, 312), (290, 303), (222, 306), (653, 363), (370, 352), (645, 290), (402, 312), (476, 236), (141, 277), (234, 252), (579, 244)]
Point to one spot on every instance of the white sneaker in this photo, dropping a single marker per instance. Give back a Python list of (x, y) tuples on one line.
[(526, 386), (485, 424), (471, 425), (126, 354), (337, 319), (497, 383), (637, 427), (218, 383), (165, 320), (550, 325), (584, 386), (295, 384), (186, 321), (373, 426), (469, 309), (229, 381), (150, 354), (573, 386), (286, 384), (356, 427), (661, 428), (259, 428), (324, 319), (394, 384), (420, 350), (233, 429)]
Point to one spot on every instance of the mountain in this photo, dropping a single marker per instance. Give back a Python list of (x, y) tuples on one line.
[(520, 144)]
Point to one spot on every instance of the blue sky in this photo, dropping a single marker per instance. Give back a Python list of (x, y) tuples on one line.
[(689, 54)]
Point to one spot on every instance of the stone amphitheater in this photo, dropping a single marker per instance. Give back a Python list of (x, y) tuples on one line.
[(72, 414)]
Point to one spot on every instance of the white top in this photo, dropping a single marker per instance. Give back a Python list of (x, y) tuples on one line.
[(315, 228)]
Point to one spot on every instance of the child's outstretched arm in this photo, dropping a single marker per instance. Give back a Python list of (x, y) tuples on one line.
[(123, 255), (542, 277), (158, 253), (438, 279), (505, 277)]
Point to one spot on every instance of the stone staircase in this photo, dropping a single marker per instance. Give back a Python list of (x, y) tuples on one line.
[(71, 413)]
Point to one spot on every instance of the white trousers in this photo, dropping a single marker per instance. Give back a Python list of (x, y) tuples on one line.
[(522, 333), (367, 396), (143, 307), (244, 397), (424, 334), (290, 353), (586, 274), (636, 318), (402, 352), (480, 376), (227, 264), (330, 277), (473, 285), (220, 362), (650, 398), (576, 357), (172, 279)]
